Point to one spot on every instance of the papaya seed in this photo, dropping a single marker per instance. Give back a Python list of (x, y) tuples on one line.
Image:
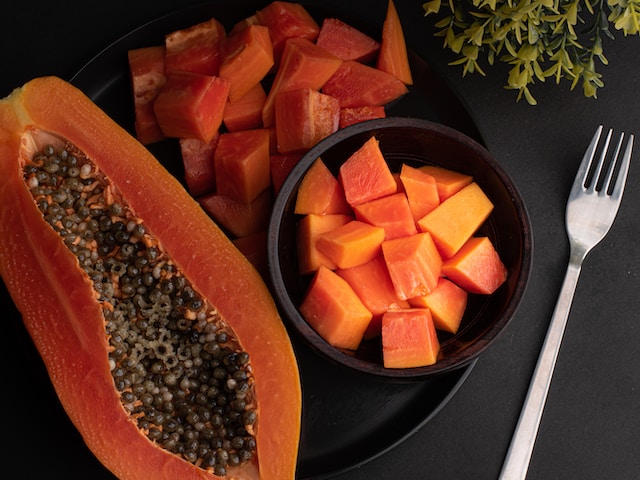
[(179, 370)]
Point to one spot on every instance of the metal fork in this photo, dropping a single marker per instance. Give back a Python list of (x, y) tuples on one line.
[(591, 209)]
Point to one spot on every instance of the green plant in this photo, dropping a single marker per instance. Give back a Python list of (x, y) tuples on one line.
[(540, 39)]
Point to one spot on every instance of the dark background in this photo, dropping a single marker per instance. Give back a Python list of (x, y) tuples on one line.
[(591, 425)]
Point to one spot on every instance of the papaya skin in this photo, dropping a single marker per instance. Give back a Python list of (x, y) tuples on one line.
[(65, 321)]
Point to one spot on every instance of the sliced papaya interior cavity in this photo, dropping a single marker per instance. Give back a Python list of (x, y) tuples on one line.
[(161, 340)]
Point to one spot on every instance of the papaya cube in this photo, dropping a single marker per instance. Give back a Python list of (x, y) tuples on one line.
[(309, 228), (365, 175), (476, 267), (146, 67), (447, 304), (453, 222), (254, 248), (303, 65), (351, 244), (197, 159), (191, 105), (353, 115), (320, 192), (195, 49), (421, 190), (287, 20), (447, 181), (346, 42), (246, 112), (393, 57), (414, 264), (334, 310), (242, 164), (391, 213), (247, 57), (409, 339), (304, 117), (372, 284), (239, 218), (356, 84), (281, 165)]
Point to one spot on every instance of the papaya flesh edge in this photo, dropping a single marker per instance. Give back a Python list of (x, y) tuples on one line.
[(64, 319)]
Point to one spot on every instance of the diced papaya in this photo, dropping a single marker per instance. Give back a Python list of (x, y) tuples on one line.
[(414, 264), (242, 164), (476, 267), (453, 222), (351, 244), (448, 181), (195, 49), (146, 67), (303, 65), (191, 105), (281, 165), (409, 339), (346, 42), (372, 284), (197, 159), (447, 304), (304, 117), (245, 113), (391, 213), (365, 175), (309, 228), (421, 190), (247, 57), (334, 310), (353, 115), (393, 56), (287, 20), (239, 218), (254, 248), (320, 192), (356, 85)]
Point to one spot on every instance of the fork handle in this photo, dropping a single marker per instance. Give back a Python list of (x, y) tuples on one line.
[(519, 454)]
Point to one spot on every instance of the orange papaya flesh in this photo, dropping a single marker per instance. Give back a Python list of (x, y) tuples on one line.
[(237, 218), (304, 117), (320, 192), (195, 49), (356, 84), (197, 159), (303, 65), (393, 57), (247, 57), (146, 66), (409, 338), (346, 42), (246, 112), (281, 165), (286, 20), (353, 115), (191, 105), (308, 229), (72, 322), (392, 213)]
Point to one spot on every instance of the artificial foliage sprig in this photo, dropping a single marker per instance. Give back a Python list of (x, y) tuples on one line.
[(539, 39)]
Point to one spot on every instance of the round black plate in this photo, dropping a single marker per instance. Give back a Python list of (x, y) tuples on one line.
[(348, 419)]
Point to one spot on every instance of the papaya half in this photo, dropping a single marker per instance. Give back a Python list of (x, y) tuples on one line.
[(162, 342)]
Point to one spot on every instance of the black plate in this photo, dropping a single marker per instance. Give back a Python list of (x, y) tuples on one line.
[(347, 419)]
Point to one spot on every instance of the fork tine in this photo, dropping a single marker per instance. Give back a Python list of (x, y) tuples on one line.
[(594, 181), (619, 181), (585, 165)]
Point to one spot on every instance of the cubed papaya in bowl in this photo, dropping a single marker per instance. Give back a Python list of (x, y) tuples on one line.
[(483, 202)]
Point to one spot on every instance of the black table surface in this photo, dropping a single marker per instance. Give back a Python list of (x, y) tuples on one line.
[(591, 424)]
